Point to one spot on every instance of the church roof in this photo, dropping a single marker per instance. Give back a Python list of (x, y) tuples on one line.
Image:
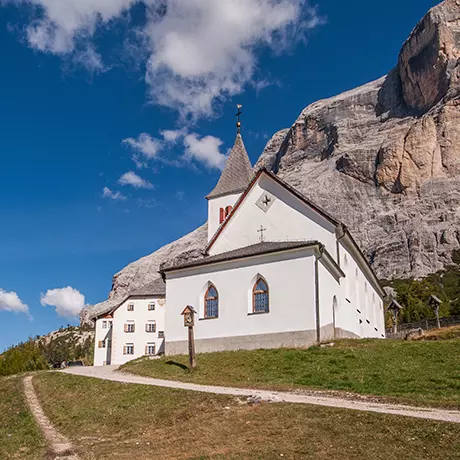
[(266, 247), (237, 173)]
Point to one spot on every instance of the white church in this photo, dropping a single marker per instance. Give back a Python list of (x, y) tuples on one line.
[(277, 272)]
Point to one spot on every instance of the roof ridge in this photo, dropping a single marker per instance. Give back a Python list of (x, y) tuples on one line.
[(237, 172)]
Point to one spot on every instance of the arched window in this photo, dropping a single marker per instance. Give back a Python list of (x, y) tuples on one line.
[(260, 300), (221, 215), (211, 302), (228, 210)]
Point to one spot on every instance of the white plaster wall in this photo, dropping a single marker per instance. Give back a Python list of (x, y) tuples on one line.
[(328, 288), (214, 205), (102, 356), (287, 219), (141, 315), (290, 277), (357, 293)]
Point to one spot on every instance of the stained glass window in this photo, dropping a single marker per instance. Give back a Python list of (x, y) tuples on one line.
[(211, 303), (260, 297)]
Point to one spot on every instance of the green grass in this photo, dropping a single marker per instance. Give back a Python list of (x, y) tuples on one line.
[(114, 421), (414, 372), (20, 437)]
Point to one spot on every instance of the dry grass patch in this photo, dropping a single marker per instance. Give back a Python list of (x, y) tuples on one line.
[(20, 437), (108, 420), (445, 333)]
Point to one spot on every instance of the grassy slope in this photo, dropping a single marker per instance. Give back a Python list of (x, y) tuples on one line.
[(108, 420), (19, 436), (413, 372)]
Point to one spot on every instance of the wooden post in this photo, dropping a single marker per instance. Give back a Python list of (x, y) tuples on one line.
[(191, 348), (438, 322), (189, 321)]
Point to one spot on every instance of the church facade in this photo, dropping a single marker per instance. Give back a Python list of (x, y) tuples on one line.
[(278, 271)]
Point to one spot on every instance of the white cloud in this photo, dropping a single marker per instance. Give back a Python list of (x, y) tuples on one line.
[(67, 301), (172, 136), (10, 301), (145, 144), (205, 150), (196, 52), (116, 196), (131, 178)]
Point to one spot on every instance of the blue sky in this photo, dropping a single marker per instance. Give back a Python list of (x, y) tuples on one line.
[(77, 91)]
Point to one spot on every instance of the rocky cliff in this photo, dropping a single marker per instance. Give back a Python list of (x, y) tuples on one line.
[(383, 158)]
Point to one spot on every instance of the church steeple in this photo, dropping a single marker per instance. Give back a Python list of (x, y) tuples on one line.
[(233, 181), (238, 171)]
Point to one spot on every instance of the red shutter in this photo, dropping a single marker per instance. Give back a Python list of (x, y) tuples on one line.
[(221, 215), (228, 210)]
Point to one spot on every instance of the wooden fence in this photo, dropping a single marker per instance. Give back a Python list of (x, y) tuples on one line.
[(425, 324)]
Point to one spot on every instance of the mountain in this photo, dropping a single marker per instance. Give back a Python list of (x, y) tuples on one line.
[(383, 158), (66, 344)]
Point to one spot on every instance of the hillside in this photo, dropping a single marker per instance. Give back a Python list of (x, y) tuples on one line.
[(66, 344), (123, 421), (411, 372), (382, 158)]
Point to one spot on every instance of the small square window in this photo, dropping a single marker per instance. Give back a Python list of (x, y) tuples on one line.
[(130, 307), (130, 327), (150, 349), (128, 349), (161, 334), (151, 306), (104, 324), (101, 344)]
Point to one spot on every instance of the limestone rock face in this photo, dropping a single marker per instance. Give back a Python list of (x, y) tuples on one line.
[(385, 158), (144, 271)]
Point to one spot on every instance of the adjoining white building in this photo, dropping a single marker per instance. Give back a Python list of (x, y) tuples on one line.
[(278, 271), (132, 329)]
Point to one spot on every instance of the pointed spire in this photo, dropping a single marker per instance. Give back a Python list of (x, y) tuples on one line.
[(237, 173)]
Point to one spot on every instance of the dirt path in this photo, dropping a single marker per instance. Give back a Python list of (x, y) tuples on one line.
[(60, 446), (110, 373)]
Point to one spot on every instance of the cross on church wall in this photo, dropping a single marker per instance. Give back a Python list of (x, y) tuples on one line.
[(266, 201), (261, 231)]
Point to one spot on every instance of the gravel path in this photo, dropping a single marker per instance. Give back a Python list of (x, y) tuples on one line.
[(59, 445), (110, 373)]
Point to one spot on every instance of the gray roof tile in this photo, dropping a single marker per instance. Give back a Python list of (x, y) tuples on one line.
[(237, 173), (156, 288)]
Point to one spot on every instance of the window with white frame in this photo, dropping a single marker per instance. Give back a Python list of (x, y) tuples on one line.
[(104, 324), (151, 306), (101, 344), (128, 349), (151, 326), (150, 348), (130, 307), (130, 327)]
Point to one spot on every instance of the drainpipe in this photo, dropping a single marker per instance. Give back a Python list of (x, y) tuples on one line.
[(318, 323)]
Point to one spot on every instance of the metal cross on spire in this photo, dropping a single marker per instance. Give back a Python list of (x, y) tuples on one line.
[(238, 115)]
